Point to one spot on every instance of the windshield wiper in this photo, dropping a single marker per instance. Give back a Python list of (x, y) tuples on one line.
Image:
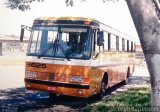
[(55, 47), (63, 51)]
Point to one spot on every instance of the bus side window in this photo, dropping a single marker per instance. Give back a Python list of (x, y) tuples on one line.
[(117, 43), (94, 41), (109, 41), (100, 40), (123, 44), (131, 46), (95, 46), (96, 49), (113, 42), (128, 46), (134, 47)]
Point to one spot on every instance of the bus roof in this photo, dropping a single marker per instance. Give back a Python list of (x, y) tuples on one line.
[(65, 21), (66, 18)]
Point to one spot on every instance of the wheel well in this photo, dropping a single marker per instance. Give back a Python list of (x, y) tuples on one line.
[(128, 72), (105, 77)]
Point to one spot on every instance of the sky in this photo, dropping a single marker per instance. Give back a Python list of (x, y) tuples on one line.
[(114, 14)]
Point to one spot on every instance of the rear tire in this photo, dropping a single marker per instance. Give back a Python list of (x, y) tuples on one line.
[(104, 85), (126, 81)]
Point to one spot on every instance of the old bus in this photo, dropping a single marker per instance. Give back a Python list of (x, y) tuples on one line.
[(76, 56)]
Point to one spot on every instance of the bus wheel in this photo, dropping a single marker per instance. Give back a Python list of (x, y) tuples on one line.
[(104, 85), (127, 77), (126, 81)]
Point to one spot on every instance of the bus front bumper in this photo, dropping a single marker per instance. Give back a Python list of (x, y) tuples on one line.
[(70, 89)]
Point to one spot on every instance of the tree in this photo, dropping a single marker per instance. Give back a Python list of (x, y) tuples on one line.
[(146, 17), (24, 5)]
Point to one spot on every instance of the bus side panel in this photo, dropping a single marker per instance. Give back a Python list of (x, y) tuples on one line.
[(116, 65)]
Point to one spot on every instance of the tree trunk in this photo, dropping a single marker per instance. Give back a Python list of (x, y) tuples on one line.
[(148, 28)]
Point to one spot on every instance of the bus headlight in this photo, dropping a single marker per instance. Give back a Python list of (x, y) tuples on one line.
[(76, 79), (30, 74)]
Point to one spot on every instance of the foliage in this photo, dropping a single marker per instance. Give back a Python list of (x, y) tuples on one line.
[(24, 5), (69, 2), (138, 97)]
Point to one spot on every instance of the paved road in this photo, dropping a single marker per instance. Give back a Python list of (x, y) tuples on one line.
[(14, 96), (11, 77)]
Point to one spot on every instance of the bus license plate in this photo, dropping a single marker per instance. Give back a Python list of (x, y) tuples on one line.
[(52, 88)]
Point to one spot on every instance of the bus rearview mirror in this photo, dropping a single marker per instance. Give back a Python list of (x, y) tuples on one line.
[(100, 38)]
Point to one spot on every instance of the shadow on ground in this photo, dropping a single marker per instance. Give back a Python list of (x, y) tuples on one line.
[(24, 100)]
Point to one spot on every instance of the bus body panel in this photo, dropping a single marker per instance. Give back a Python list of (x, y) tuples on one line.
[(92, 71)]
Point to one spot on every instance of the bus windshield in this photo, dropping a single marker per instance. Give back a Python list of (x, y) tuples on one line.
[(60, 42)]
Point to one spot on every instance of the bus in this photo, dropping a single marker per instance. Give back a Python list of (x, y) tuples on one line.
[(76, 56)]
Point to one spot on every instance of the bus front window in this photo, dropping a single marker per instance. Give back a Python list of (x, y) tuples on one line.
[(72, 43)]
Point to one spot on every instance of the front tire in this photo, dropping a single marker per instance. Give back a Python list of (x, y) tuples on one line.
[(126, 81), (104, 85)]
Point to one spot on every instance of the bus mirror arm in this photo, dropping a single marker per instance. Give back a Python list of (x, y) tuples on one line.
[(23, 27)]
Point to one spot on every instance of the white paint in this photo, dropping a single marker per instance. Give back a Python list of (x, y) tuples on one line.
[(88, 63)]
